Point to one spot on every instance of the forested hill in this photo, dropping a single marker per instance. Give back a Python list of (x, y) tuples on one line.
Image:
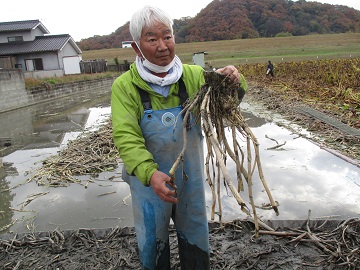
[(234, 19)]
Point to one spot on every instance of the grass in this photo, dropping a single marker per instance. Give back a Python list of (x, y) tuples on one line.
[(252, 51), (236, 52)]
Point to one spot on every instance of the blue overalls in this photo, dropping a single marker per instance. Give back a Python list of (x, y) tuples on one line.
[(152, 215)]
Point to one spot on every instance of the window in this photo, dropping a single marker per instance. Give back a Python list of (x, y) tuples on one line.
[(15, 39), (34, 64)]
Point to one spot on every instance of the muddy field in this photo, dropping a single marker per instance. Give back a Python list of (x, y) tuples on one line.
[(335, 138), (305, 244), (311, 245)]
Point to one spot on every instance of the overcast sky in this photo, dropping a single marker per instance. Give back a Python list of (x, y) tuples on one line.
[(83, 19)]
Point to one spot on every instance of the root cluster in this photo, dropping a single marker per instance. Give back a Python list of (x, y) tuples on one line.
[(217, 104)]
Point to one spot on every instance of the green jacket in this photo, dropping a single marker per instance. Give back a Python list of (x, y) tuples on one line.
[(127, 112)]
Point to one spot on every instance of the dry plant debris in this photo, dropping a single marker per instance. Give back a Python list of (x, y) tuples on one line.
[(331, 86), (313, 245), (91, 153)]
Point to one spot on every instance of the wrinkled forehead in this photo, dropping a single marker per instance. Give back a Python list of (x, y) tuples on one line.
[(157, 28)]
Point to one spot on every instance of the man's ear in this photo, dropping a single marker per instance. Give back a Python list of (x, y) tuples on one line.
[(136, 48)]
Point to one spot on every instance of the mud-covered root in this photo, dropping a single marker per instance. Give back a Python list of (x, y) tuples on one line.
[(217, 105)]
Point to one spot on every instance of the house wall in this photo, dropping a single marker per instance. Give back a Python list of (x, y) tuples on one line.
[(73, 65), (35, 33), (14, 95), (68, 50), (51, 65), (27, 35), (50, 60)]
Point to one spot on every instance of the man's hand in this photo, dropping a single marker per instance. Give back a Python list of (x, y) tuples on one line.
[(231, 72), (159, 182)]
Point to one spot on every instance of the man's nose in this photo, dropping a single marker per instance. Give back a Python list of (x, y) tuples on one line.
[(162, 45)]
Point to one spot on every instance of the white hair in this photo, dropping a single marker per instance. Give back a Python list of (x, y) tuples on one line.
[(146, 17)]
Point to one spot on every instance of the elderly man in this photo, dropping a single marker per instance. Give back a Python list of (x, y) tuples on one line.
[(145, 102)]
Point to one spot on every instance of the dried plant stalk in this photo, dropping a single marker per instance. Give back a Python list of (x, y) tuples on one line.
[(90, 153), (217, 104)]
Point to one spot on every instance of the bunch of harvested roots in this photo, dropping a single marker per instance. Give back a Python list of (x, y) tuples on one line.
[(217, 103), (90, 153)]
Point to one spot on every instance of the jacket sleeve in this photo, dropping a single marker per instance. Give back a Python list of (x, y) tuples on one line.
[(127, 134)]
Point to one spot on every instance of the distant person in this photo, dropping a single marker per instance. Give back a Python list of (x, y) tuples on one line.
[(270, 69), (145, 103)]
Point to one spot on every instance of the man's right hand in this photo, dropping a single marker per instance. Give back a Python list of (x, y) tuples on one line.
[(158, 182)]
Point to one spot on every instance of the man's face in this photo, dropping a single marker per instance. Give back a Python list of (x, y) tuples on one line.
[(157, 44)]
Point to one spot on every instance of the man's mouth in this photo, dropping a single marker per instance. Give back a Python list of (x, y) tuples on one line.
[(163, 56)]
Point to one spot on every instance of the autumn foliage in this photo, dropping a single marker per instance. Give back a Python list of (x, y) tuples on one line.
[(239, 19)]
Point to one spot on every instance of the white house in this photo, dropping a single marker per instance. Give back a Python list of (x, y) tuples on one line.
[(28, 45)]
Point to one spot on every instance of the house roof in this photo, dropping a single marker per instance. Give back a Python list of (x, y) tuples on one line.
[(22, 25), (48, 43)]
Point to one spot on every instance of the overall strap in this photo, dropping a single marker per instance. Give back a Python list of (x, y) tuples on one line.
[(183, 95), (145, 97)]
